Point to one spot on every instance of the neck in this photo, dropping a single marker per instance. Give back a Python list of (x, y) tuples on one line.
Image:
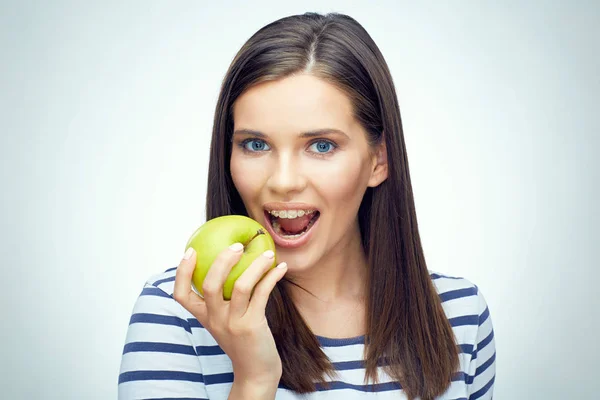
[(339, 277)]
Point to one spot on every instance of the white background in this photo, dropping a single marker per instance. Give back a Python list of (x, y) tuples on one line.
[(106, 113)]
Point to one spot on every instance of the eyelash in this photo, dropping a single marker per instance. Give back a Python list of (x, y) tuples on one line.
[(334, 146)]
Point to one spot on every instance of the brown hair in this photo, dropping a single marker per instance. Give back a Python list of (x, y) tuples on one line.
[(406, 325)]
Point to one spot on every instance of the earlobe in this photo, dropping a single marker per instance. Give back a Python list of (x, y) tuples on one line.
[(380, 167)]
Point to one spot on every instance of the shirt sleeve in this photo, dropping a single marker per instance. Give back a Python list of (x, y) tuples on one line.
[(159, 358), (482, 368)]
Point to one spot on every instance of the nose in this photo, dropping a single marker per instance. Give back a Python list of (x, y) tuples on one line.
[(287, 176)]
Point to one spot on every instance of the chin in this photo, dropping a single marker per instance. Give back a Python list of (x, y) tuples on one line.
[(300, 259)]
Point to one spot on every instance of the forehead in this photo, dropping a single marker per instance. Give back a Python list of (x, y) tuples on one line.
[(293, 104)]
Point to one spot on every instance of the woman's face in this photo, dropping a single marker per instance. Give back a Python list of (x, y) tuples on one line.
[(280, 162)]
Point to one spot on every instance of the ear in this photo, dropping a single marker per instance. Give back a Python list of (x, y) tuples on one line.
[(379, 172)]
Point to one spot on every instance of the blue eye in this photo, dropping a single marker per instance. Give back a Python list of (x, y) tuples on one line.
[(323, 147), (255, 145)]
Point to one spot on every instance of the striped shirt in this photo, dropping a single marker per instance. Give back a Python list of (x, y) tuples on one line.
[(169, 355)]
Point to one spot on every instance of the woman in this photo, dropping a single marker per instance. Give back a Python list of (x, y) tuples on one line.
[(308, 141)]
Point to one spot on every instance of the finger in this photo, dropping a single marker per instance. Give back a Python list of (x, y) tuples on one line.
[(183, 292), (242, 289), (263, 289), (214, 281)]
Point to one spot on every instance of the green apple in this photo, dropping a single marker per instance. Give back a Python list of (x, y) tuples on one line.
[(219, 233)]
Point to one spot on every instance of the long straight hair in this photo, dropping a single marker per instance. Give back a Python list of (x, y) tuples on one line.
[(408, 333)]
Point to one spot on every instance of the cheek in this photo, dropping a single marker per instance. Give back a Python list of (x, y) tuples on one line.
[(341, 182), (246, 175)]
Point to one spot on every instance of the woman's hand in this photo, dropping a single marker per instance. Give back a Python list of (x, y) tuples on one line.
[(239, 326)]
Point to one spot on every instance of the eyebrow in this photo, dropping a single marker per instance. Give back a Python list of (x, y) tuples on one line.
[(309, 134)]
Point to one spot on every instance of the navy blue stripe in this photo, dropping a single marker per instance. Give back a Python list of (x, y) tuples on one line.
[(216, 350), (464, 320), (434, 275), (209, 350), (214, 379), (481, 369), (194, 323), (484, 316), (329, 342), (178, 398), (337, 385), (459, 376), (481, 345), (485, 365), (458, 293), (466, 348), (357, 364), (159, 347), (160, 376), (158, 282), (485, 341), (154, 291), (170, 269), (160, 320), (348, 365), (379, 387), (191, 322), (469, 379), (483, 390)]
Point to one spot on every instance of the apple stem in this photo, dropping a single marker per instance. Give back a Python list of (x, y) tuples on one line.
[(258, 233)]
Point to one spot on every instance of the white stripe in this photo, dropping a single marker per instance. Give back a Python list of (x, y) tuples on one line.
[(156, 361), (160, 389), (344, 353)]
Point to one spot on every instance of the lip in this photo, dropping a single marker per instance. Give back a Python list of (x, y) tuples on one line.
[(289, 243)]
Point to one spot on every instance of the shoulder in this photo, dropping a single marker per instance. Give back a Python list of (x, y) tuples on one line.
[(158, 318), (156, 309), (453, 287), (464, 304), (164, 281)]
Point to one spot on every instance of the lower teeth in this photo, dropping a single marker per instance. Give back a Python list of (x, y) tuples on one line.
[(277, 229)]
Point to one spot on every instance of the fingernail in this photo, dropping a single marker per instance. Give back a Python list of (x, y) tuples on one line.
[(236, 247), (188, 254), (282, 265), (269, 254)]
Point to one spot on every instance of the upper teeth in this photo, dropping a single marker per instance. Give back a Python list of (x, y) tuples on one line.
[(290, 213)]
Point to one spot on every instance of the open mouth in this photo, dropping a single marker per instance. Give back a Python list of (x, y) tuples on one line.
[(291, 225)]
